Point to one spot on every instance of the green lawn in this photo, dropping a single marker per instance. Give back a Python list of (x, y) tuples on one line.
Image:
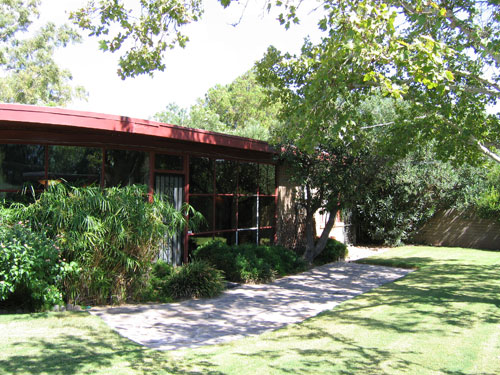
[(444, 318)]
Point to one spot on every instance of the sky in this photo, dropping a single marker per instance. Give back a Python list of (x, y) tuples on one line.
[(217, 53)]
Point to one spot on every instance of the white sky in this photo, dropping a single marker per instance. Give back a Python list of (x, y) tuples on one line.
[(217, 53)]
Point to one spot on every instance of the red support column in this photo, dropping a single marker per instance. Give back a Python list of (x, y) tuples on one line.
[(276, 202), (151, 175), (46, 162), (103, 168), (186, 200)]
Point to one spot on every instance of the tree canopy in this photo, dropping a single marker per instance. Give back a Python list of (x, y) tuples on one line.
[(30, 74), (238, 108), (440, 57)]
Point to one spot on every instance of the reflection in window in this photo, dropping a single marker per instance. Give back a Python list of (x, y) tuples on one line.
[(225, 213), (79, 166), (247, 236), (226, 237), (168, 162), (21, 166), (201, 177), (247, 212), (266, 237), (125, 167), (226, 172), (25, 197), (198, 240), (267, 179), (248, 177), (205, 206), (267, 208)]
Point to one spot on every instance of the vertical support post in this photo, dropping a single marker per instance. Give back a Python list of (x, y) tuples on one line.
[(258, 203), (151, 175), (276, 202), (186, 200), (46, 164), (103, 168), (214, 193)]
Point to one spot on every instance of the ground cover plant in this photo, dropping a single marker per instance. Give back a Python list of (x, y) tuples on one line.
[(443, 318)]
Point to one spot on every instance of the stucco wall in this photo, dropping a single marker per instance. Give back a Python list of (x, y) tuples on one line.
[(462, 229)]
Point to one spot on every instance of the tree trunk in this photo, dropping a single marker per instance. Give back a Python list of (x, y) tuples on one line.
[(308, 254), (312, 251)]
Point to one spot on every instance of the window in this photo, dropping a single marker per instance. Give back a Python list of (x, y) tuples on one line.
[(22, 166), (79, 166), (201, 176), (124, 167), (169, 162), (243, 201)]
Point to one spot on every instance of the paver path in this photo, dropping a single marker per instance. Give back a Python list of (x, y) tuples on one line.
[(247, 309)]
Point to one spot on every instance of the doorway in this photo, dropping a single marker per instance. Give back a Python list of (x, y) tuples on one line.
[(171, 187)]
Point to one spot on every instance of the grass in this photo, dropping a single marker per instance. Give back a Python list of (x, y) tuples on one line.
[(443, 318)]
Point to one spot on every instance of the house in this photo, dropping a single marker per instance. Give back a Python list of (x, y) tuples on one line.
[(232, 181)]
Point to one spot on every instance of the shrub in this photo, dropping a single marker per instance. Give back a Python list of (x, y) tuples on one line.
[(32, 270), (197, 279), (156, 285), (114, 234), (250, 262), (333, 252)]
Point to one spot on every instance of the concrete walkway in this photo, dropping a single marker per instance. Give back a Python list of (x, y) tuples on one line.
[(247, 309)]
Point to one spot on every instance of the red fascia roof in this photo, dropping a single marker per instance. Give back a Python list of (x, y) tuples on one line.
[(66, 118)]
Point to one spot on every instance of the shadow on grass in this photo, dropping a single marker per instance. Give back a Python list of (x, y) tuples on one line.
[(442, 300), (70, 354)]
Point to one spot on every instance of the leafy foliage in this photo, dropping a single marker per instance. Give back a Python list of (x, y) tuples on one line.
[(147, 33), (239, 108), (29, 73), (432, 56), (249, 262), (197, 279), (333, 252), (404, 194), (155, 289), (328, 179), (32, 269), (113, 234), (487, 201)]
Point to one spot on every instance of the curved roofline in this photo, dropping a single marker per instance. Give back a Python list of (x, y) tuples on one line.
[(68, 118)]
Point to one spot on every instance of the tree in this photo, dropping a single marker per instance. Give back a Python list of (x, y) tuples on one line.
[(442, 57), (30, 74), (328, 180), (238, 108)]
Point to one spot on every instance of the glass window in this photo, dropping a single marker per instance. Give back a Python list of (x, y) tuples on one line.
[(125, 167), (78, 166), (205, 206), (247, 212), (198, 240), (267, 183), (248, 178), (225, 212), (226, 237), (247, 236), (201, 176), (22, 165), (266, 237), (226, 172), (169, 162), (24, 197), (267, 208)]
